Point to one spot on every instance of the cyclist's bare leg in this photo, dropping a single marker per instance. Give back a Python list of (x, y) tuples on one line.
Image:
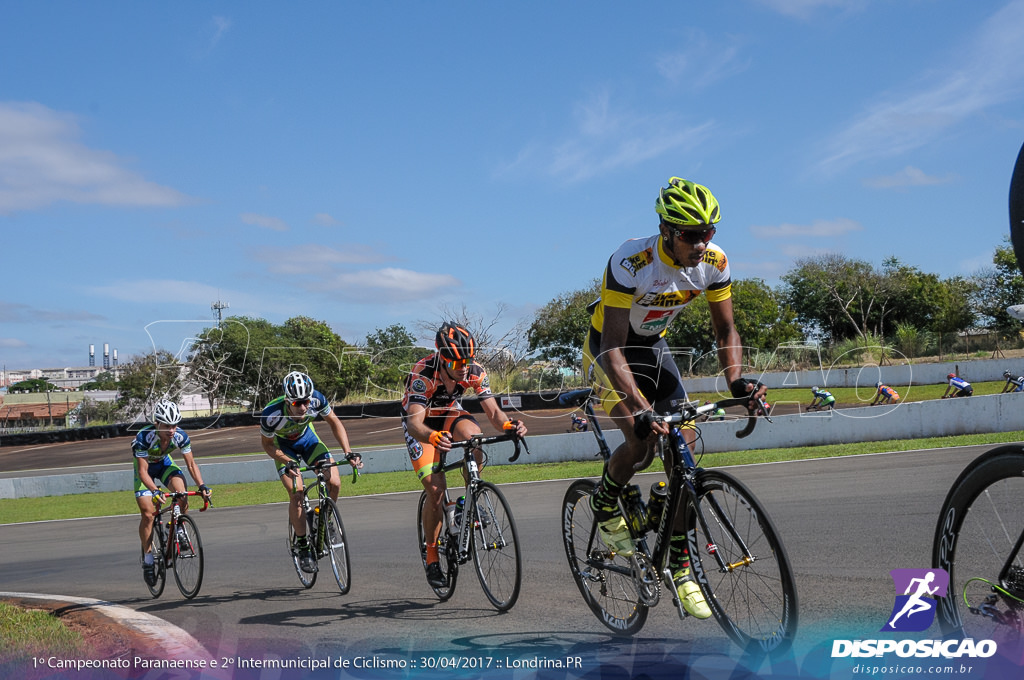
[(294, 505), (177, 484), (464, 429), (148, 511), (631, 452), (434, 485), (333, 483)]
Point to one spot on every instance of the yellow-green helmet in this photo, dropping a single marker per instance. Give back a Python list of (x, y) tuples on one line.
[(687, 204)]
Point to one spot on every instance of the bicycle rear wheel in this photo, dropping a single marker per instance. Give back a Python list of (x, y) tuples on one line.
[(336, 546), (188, 557), (307, 579), (156, 544), (754, 596), (978, 541), (495, 545), (605, 580), (447, 551)]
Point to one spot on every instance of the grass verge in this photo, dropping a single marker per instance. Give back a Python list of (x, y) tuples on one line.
[(233, 495), (26, 633)]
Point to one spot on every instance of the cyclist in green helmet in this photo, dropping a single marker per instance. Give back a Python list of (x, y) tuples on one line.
[(647, 283)]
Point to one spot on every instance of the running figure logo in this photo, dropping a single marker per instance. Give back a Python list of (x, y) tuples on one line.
[(914, 610)]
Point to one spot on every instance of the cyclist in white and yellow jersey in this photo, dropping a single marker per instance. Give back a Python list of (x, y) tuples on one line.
[(647, 282)]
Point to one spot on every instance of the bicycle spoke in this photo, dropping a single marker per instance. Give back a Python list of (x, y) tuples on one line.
[(496, 547), (978, 542), (742, 566), (188, 557), (610, 594), (337, 547)]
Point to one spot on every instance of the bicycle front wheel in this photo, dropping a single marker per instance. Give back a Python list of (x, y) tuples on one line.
[(336, 546), (739, 562), (447, 551), (188, 557), (156, 546), (604, 578), (495, 545), (978, 541)]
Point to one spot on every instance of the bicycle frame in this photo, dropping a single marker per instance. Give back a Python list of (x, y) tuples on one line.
[(681, 486), (472, 472), (175, 521), (321, 504)]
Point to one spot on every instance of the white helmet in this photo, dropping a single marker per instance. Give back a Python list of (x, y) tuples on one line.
[(166, 411), (814, 389), (298, 385)]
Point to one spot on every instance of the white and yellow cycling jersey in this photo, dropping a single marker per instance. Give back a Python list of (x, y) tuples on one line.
[(640, 277)]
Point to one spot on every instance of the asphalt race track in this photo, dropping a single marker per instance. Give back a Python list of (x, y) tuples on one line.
[(845, 522)]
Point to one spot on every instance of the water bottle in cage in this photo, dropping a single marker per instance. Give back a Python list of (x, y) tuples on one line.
[(656, 504)]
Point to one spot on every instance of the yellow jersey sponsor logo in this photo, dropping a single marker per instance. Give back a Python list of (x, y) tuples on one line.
[(715, 259), (675, 298), (635, 263)]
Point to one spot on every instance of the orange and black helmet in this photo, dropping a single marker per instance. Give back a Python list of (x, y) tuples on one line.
[(455, 343)]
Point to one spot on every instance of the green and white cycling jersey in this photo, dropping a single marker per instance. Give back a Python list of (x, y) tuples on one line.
[(275, 421)]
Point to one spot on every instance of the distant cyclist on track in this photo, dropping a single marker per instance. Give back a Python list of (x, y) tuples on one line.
[(823, 399), (433, 417), (152, 448), (1013, 383), (884, 394), (958, 387), (647, 282), (287, 436)]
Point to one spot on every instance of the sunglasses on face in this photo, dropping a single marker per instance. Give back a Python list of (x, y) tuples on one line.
[(458, 364), (694, 237), (299, 402)]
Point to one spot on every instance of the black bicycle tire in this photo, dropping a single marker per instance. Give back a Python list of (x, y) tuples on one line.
[(188, 523), (156, 544), (344, 580), (998, 464), (446, 544), (768, 641), (578, 492), (307, 579), (500, 603)]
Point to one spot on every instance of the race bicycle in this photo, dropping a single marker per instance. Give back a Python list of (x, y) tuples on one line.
[(325, 531), (485, 531), (736, 555), (979, 541), (176, 546)]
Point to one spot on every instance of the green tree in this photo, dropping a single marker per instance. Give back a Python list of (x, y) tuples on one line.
[(998, 288), (102, 381), (560, 327), (147, 378), (955, 311), (33, 385), (392, 353)]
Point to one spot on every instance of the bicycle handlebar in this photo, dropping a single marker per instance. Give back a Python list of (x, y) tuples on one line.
[(178, 495), (479, 439)]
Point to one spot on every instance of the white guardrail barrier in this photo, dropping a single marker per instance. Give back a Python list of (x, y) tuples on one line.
[(933, 418)]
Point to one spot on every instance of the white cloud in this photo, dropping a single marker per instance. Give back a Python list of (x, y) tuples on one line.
[(608, 139), (702, 63), (163, 291), (818, 228), (264, 221), (908, 177), (986, 71), (325, 219), (12, 342), (393, 284), (316, 260), (13, 312), (803, 9), (42, 162)]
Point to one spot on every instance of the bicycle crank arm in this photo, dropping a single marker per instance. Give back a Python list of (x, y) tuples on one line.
[(666, 576)]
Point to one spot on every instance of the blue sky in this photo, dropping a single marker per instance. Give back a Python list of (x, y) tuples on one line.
[(375, 163)]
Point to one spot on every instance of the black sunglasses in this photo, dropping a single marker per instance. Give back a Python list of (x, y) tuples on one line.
[(694, 237)]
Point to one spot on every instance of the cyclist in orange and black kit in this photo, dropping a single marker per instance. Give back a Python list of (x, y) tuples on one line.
[(433, 417)]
